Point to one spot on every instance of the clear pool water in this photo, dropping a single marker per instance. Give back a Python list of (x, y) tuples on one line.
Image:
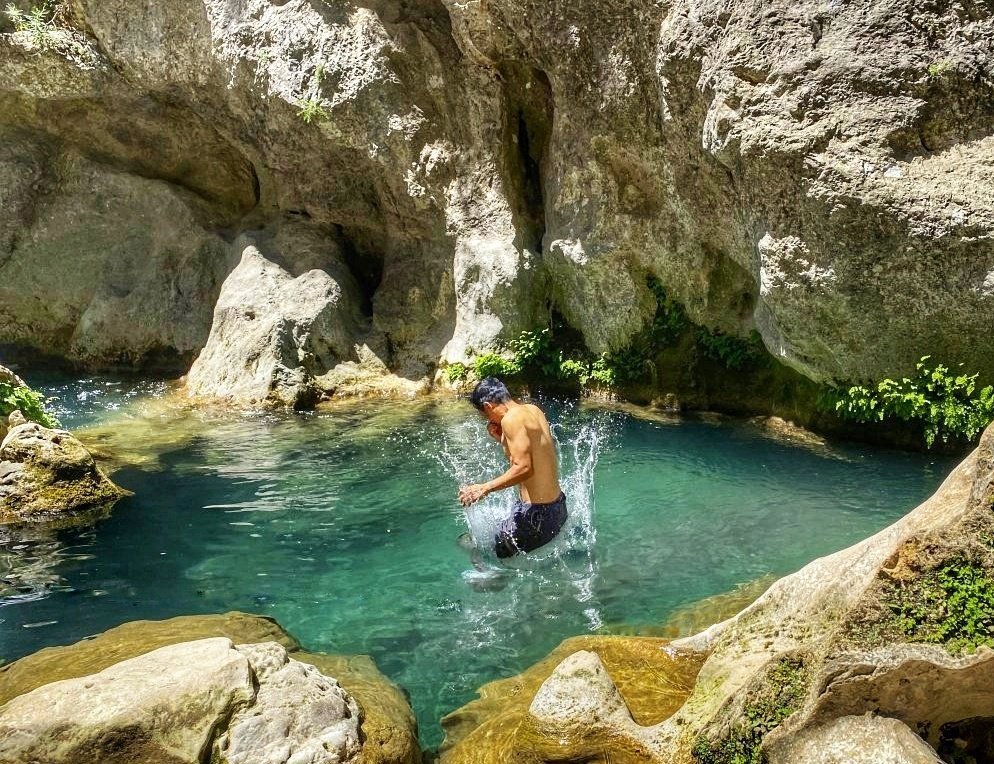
[(343, 525)]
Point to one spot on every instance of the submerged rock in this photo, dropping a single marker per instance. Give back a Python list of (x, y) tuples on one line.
[(296, 695), (48, 475), (591, 694)]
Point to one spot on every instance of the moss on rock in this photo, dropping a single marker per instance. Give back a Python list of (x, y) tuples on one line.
[(780, 693)]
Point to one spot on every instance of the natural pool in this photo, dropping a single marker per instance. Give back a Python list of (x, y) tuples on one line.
[(343, 525)]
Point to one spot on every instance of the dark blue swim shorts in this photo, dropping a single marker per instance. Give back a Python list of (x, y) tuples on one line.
[(530, 526)]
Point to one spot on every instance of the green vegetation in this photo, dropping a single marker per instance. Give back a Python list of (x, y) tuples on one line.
[(552, 354), (40, 23), (781, 695), (312, 108), (940, 68), (456, 372), (28, 402), (734, 352), (952, 605), (946, 405)]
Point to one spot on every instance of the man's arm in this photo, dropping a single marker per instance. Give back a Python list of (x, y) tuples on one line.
[(519, 451)]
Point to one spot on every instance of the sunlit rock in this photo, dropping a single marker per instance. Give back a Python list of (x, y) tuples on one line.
[(388, 729), (161, 706), (273, 331), (857, 740)]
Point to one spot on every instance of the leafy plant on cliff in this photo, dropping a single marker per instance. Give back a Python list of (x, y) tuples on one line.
[(29, 402), (946, 405), (456, 372), (494, 365), (781, 694), (636, 362), (312, 106), (952, 605)]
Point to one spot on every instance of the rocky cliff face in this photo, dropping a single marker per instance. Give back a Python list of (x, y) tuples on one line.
[(823, 173)]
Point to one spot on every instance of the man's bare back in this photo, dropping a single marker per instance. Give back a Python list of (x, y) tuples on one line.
[(543, 485)]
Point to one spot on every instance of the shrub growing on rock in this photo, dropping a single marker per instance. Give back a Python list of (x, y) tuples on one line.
[(947, 405), (29, 402)]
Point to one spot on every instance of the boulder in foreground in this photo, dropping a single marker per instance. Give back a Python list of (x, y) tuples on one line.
[(270, 702)]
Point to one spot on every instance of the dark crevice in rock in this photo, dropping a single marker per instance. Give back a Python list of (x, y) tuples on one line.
[(528, 119), (967, 740), (366, 266)]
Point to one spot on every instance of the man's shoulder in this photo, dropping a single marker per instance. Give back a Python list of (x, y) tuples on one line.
[(525, 414)]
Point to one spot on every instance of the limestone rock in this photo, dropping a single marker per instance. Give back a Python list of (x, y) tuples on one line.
[(160, 707), (298, 715), (857, 740), (388, 726), (145, 272), (368, 376), (581, 704), (274, 332), (10, 378), (825, 640), (48, 475), (820, 174), (589, 695)]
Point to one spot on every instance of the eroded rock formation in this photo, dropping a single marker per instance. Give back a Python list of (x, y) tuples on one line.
[(822, 174)]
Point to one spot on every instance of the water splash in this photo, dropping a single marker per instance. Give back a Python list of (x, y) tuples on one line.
[(468, 455)]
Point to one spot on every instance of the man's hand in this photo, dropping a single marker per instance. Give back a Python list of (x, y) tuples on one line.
[(470, 494)]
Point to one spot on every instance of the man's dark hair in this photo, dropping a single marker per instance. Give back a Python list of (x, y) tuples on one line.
[(489, 390)]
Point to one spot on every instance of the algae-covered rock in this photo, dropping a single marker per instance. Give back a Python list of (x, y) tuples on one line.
[(894, 625), (48, 475), (388, 727), (634, 681)]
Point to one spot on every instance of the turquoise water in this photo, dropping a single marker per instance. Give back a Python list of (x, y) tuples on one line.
[(343, 525)]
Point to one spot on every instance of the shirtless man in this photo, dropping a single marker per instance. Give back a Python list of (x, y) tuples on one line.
[(523, 431)]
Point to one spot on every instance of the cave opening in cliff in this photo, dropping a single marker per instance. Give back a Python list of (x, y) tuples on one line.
[(528, 118), (364, 262)]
